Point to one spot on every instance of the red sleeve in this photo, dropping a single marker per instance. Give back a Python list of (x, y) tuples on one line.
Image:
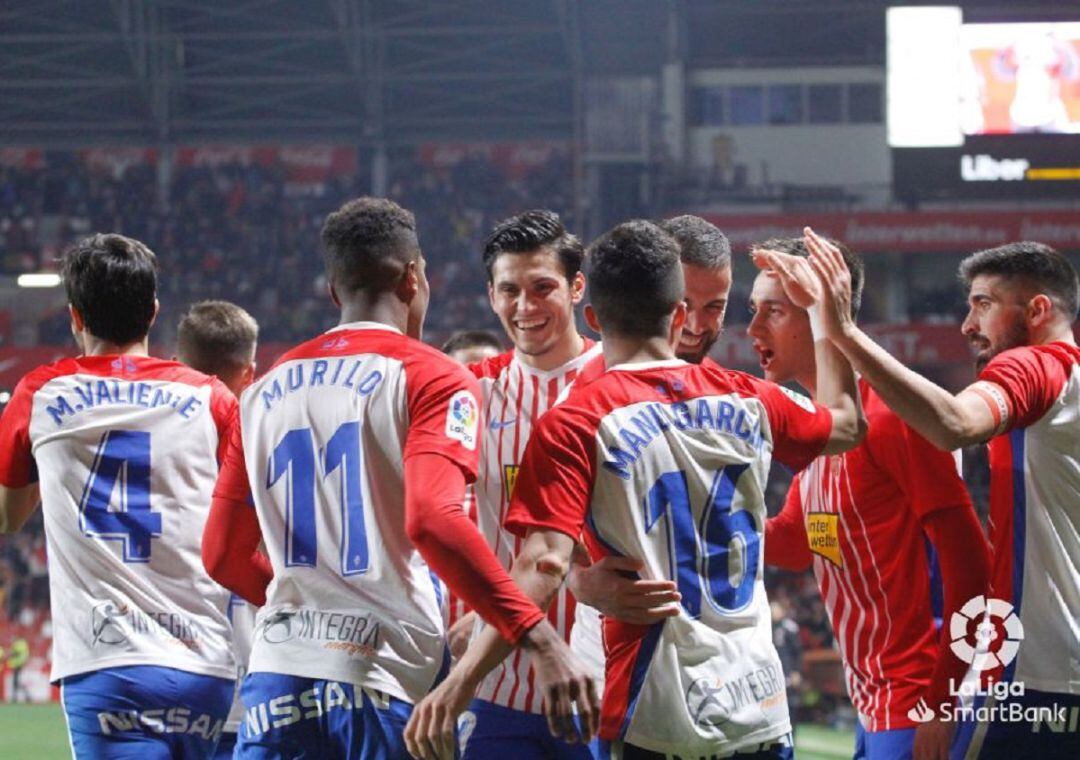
[(232, 481), (901, 451), (455, 550), (444, 414), (554, 485), (225, 410), (800, 428), (786, 545), (1032, 380), (17, 466), (965, 572)]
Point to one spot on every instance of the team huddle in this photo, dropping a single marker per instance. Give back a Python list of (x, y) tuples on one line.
[(374, 550)]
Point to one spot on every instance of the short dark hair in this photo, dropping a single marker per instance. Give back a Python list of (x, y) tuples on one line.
[(1038, 265), (635, 279), (796, 246), (530, 231), (463, 339), (701, 243), (112, 281), (367, 243), (216, 337)]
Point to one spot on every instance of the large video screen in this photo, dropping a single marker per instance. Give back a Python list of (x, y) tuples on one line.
[(982, 109)]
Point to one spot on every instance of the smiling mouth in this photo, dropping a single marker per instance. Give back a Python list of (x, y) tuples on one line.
[(691, 341), (530, 325)]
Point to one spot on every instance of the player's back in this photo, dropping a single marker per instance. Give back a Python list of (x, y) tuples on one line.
[(126, 451), (678, 456), (325, 435)]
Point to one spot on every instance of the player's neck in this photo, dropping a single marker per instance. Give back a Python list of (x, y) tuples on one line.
[(94, 346), (619, 350), (570, 346), (381, 310), (1059, 332)]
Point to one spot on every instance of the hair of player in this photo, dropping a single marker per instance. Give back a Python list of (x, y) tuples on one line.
[(796, 246), (701, 243), (1038, 265), (217, 338), (367, 244), (635, 279), (532, 231), (112, 281), (465, 339)]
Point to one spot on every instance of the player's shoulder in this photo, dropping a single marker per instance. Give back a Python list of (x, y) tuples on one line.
[(130, 368), (1048, 354), (493, 366)]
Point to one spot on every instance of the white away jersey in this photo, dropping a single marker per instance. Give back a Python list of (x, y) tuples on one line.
[(515, 396), (1035, 511), (126, 452), (324, 436), (667, 462)]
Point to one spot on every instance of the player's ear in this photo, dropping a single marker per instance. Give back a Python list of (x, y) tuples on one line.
[(248, 376), (157, 308), (577, 288), (678, 321), (1040, 310), (77, 322), (409, 283), (590, 318), (333, 294)]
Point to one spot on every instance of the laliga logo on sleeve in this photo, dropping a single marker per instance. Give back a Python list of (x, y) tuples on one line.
[(462, 419), (997, 633)]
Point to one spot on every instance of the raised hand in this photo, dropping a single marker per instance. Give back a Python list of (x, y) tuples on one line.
[(800, 283), (827, 261)]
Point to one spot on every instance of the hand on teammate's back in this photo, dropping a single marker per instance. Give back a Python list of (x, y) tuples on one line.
[(611, 586)]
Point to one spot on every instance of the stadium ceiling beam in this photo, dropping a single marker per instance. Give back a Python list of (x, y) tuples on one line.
[(141, 29)]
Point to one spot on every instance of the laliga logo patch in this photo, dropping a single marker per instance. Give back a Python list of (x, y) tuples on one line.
[(997, 633), (462, 419), (799, 399)]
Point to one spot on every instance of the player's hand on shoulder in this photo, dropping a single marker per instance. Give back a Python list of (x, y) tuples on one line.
[(431, 731), (564, 682), (611, 586)]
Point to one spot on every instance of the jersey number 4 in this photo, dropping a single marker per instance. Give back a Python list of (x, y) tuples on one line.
[(123, 457), (701, 549), (295, 456)]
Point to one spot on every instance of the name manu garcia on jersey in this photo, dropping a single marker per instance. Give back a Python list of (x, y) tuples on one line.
[(713, 413)]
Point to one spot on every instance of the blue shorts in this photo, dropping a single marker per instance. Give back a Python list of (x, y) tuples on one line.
[(487, 731), (145, 712), (1038, 724), (295, 717), (226, 747)]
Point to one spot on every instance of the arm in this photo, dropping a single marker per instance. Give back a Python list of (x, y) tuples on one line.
[(965, 571), (947, 421), (612, 586), (786, 545), (539, 570), (16, 506), (230, 550)]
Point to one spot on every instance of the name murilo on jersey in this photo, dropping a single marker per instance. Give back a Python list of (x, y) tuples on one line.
[(171, 720), (347, 372), (702, 414), (98, 393)]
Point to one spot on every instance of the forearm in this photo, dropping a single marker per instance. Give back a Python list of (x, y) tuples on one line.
[(16, 506), (838, 391), (928, 408), (455, 550), (230, 551), (786, 546), (965, 573)]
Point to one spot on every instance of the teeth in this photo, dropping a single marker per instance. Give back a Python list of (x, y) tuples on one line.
[(530, 324)]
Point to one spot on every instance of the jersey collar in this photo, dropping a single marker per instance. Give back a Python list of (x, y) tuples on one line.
[(366, 326), (658, 364)]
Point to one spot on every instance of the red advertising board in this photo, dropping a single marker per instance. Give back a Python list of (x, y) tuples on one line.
[(910, 232), (513, 159)]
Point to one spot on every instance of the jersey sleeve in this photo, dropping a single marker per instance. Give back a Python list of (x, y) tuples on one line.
[(225, 411), (1032, 381), (554, 485), (444, 413), (800, 427), (786, 544), (232, 482), (901, 452), (17, 466)]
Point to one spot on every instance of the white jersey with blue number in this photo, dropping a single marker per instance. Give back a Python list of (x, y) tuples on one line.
[(126, 453)]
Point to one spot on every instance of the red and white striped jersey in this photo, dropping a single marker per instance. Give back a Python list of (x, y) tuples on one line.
[(862, 511), (514, 398), (667, 462), (126, 450), (1035, 511)]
